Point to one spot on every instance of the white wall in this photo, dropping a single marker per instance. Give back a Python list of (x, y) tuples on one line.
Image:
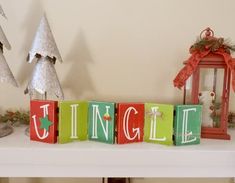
[(116, 50), (113, 50)]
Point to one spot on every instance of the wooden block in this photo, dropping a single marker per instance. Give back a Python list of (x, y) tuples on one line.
[(43, 121), (130, 123), (187, 124), (101, 122), (158, 125), (73, 121)]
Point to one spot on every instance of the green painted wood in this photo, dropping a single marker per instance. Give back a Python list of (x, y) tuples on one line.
[(158, 125), (73, 121), (187, 125), (101, 122)]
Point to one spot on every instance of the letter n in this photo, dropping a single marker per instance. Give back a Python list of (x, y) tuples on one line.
[(101, 122)]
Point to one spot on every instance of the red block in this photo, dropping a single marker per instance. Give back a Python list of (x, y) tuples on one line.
[(43, 109), (130, 123)]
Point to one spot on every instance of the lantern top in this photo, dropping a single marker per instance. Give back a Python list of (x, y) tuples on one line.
[(209, 33), (207, 50), (208, 42)]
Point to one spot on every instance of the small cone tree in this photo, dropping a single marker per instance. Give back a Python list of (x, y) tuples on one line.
[(5, 72), (44, 51), (44, 80)]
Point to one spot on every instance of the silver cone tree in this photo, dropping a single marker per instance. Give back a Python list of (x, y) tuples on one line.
[(45, 52), (5, 72)]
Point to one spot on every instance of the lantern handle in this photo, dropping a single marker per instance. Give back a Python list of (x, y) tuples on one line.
[(208, 33)]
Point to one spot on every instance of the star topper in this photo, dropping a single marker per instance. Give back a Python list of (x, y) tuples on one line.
[(45, 123)]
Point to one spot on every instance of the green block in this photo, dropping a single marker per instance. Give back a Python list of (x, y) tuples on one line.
[(187, 125), (73, 121), (158, 125), (101, 122)]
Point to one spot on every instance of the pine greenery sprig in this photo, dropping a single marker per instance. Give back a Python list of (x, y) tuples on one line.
[(231, 120), (15, 117), (212, 44)]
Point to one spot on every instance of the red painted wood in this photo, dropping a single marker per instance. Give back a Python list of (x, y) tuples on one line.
[(195, 87), (36, 113), (223, 136), (129, 131), (214, 61)]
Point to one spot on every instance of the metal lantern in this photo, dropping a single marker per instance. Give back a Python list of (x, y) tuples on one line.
[(206, 79)]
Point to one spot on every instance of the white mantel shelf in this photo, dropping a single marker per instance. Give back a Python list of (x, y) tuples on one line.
[(19, 157)]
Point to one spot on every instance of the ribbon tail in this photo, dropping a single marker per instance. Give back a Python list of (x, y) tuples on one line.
[(188, 69)]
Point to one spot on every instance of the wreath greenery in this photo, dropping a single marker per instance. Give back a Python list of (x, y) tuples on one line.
[(15, 117), (212, 44)]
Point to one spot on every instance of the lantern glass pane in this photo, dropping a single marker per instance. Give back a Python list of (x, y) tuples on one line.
[(210, 95), (188, 91)]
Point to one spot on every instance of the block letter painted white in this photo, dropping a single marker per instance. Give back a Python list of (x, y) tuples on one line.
[(74, 134), (45, 113), (96, 117), (126, 124), (153, 126), (185, 133)]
